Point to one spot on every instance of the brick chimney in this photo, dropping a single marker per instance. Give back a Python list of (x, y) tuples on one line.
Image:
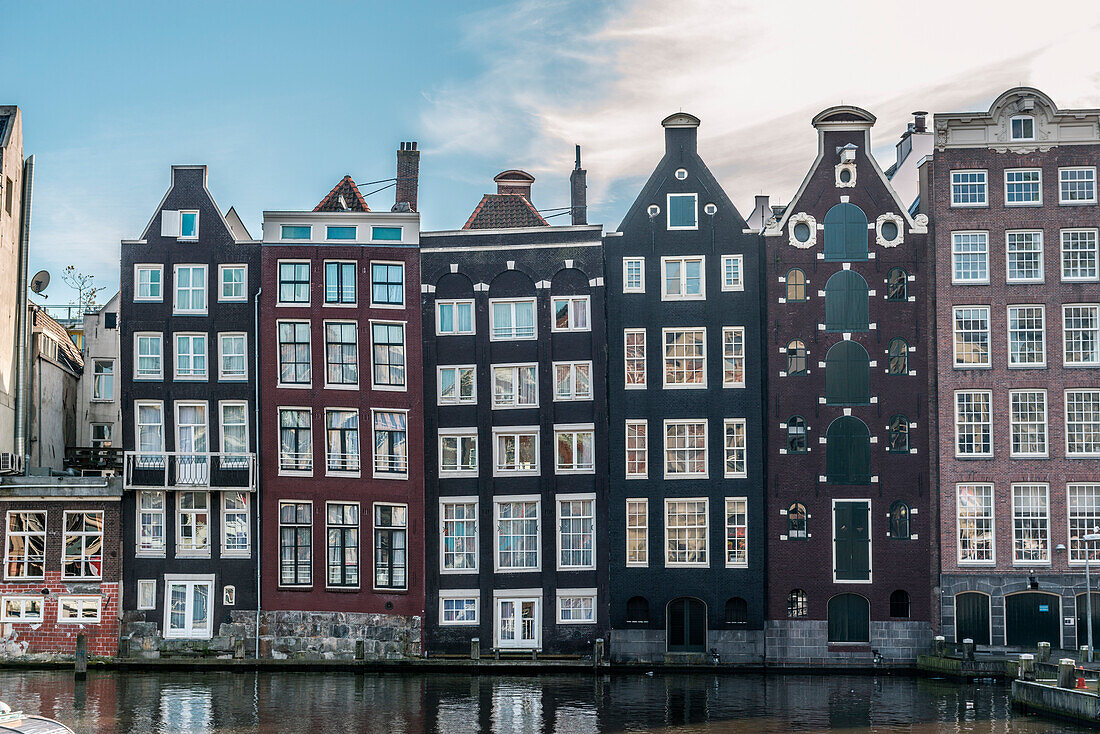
[(408, 176), (578, 192)]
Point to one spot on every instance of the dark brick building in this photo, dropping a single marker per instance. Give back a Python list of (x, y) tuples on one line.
[(1012, 197), (848, 527)]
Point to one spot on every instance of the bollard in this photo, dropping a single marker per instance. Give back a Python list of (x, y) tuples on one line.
[(1067, 673), (968, 648), (475, 648), (939, 645), (597, 652), (1027, 666), (1083, 654), (1044, 652), (238, 649), (360, 649), (124, 647), (81, 656)]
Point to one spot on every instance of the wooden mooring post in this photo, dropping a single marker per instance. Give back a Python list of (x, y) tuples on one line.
[(81, 669)]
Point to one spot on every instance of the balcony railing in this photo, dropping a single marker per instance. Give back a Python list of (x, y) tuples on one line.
[(295, 461), (93, 460), (181, 469)]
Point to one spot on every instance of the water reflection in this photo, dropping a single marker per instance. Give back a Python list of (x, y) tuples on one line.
[(293, 703)]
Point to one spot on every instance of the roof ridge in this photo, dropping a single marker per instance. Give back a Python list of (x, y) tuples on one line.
[(344, 185)]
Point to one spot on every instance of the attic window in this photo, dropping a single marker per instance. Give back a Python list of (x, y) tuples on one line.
[(386, 233), (681, 173), (296, 231), (189, 225), (683, 210), (1023, 128), (340, 233)]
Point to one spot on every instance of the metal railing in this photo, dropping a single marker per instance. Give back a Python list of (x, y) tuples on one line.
[(295, 461), (172, 469), (342, 461), (93, 459)]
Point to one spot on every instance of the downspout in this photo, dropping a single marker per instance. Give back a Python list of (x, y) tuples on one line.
[(21, 317), (259, 517)]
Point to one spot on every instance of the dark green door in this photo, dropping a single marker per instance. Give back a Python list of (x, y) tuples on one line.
[(972, 617), (846, 233), (687, 625), (848, 451), (846, 302), (1031, 618), (1082, 624), (849, 619), (847, 374), (852, 542)]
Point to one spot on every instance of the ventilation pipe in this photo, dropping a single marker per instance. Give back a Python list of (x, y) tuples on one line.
[(21, 316)]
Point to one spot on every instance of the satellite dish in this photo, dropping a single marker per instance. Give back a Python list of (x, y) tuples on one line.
[(40, 280)]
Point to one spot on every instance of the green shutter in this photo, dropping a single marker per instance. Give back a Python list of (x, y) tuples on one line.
[(846, 233), (847, 302), (849, 619), (848, 452), (847, 374)]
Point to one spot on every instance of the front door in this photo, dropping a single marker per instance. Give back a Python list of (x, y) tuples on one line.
[(1032, 617), (686, 626), (192, 464), (852, 541), (518, 623), (1082, 620), (972, 617), (188, 606)]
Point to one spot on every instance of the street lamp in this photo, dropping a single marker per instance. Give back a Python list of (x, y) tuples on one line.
[(1086, 539)]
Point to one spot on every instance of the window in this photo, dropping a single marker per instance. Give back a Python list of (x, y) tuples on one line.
[(101, 435), (1084, 518), (21, 609), (460, 540), (847, 374), (685, 449), (1024, 254), (846, 233), (190, 289), (899, 435), (149, 282), (971, 336), (517, 531), (295, 544), (798, 606), (797, 522), (150, 434), (188, 606), (970, 257), (731, 273), (25, 556), (796, 286), (683, 210), (737, 532), (387, 284), (340, 282), (975, 523), (1028, 417), (295, 440), (293, 282), (973, 423), (294, 357), (733, 356), (899, 357), (192, 468), (969, 188), (341, 353), (189, 225), (796, 435), (634, 355), (637, 532), (575, 450), (388, 355), (897, 285), (899, 521), (339, 233), (685, 357), (848, 451), (193, 524), (232, 364), (576, 609), (151, 522), (1026, 336), (576, 533), (736, 451), (572, 381), (686, 538), (570, 313), (103, 379), (147, 594), (458, 452), (637, 449), (517, 451), (235, 524), (1022, 128), (1023, 187), (512, 320), (454, 317), (83, 545), (457, 385), (391, 450), (634, 275), (78, 609), (296, 231), (899, 604), (1079, 254), (847, 302), (796, 358), (737, 611), (1030, 523), (232, 278), (190, 356), (391, 234), (682, 278), (1083, 422), (457, 610), (342, 528), (342, 434), (1081, 333), (515, 386), (1076, 185)]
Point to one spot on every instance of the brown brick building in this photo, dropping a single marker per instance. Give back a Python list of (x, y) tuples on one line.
[(1012, 196)]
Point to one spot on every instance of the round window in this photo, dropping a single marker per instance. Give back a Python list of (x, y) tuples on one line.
[(845, 176), (802, 232), (681, 173), (889, 230), (653, 210), (710, 209)]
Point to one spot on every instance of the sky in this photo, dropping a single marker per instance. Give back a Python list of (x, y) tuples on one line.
[(281, 99)]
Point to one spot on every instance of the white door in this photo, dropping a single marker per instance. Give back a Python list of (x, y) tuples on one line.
[(518, 622), (188, 607), (192, 464)]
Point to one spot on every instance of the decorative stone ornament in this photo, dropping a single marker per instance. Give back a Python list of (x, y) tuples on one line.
[(802, 230), (845, 175), (889, 230)]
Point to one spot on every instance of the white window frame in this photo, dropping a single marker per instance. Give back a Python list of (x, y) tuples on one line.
[(955, 279), (65, 535), (645, 360), (991, 518), (1077, 547), (224, 511), (582, 497), (139, 268), (340, 527), (682, 296), (1043, 424), (325, 284), (1045, 520), (279, 284), (358, 362), (1070, 202), (1066, 423), (628, 262), (159, 337), (739, 283), (464, 500), (1037, 235), (642, 528), (237, 460), (571, 313), (576, 430), (514, 404), (955, 333), (24, 601), (454, 303), (988, 427), (191, 336), (668, 212), (1022, 118), (278, 358), (243, 298), (985, 184), (665, 358), (473, 595), (513, 336), (1062, 253), (744, 448), (182, 552), (706, 448), (644, 449), (8, 546), (573, 395), (143, 586), (152, 455), (202, 267), (497, 502), (728, 331), (383, 474), (1023, 170), (222, 336), (280, 503), (190, 581), (404, 386), (727, 527), (95, 381), (563, 594), (283, 228), (162, 514), (458, 398), (515, 432), (189, 237), (83, 601), (404, 285), (461, 435), (706, 534), (870, 539), (279, 437), (1009, 331), (1065, 335)]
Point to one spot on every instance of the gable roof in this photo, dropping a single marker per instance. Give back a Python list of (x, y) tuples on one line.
[(67, 353), (503, 211), (353, 201)]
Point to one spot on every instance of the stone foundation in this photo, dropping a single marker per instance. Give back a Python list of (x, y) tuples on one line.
[(806, 642), (745, 647)]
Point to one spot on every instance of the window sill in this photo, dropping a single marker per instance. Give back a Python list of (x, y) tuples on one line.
[(389, 388), (341, 386), (294, 385), (82, 579), (1077, 203), (295, 473), (299, 587), (343, 589), (24, 579), (197, 556), (347, 474)]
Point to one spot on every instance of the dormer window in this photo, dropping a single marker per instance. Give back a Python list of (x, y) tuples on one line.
[(1023, 128), (189, 225), (683, 211)]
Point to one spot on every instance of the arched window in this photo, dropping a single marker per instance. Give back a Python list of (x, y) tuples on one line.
[(848, 451), (846, 233), (796, 285), (899, 604), (847, 374), (737, 611), (797, 526), (897, 285), (796, 357), (899, 521), (637, 609), (899, 435), (849, 618), (899, 357), (797, 604), (796, 435), (847, 302)]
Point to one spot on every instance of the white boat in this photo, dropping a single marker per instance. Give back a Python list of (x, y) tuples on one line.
[(11, 721)]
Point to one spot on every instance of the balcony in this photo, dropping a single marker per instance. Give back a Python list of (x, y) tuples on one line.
[(186, 470)]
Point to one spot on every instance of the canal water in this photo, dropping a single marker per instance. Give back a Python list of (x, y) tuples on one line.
[(301, 703)]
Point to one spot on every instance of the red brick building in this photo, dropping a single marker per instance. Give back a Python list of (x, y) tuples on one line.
[(1012, 196)]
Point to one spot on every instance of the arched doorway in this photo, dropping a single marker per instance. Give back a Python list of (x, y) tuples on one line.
[(972, 617), (1082, 620), (686, 625), (1032, 617), (849, 618)]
